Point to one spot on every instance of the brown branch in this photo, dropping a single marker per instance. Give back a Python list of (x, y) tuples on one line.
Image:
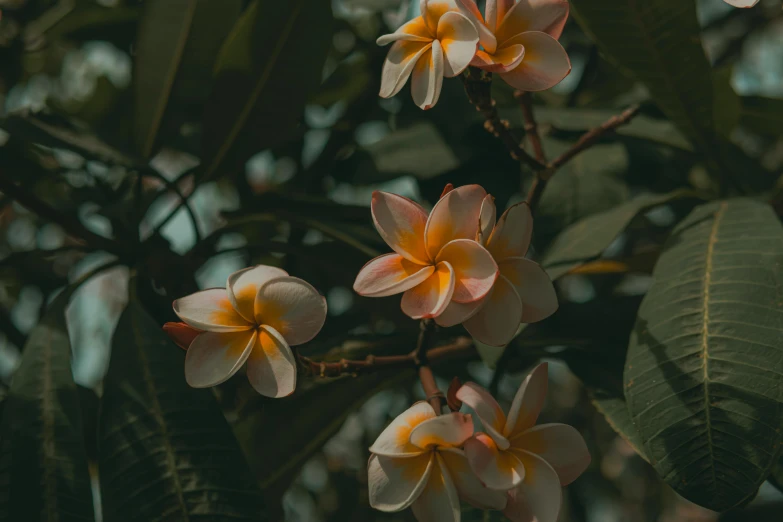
[(531, 127)]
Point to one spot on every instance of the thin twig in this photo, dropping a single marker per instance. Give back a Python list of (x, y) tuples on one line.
[(183, 203), (531, 127)]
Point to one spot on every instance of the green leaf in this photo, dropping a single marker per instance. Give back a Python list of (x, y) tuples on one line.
[(704, 374), (615, 410), (762, 115), (43, 462), (267, 68), (418, 150), (165, 451)]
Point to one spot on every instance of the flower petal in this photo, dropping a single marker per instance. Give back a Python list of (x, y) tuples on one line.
[(498, 320), (394, 441), (545, 63), (487, 218), (457, 313), (402, 224), (560, 445), (548, 16), (503, 60), (539, 299), (439, 502), (496, 10), (469, 487), (742, 3), (243, 286), (459, 39), (399, 64), (539, 495), (496, 469), (449, 430), (213, 357), (292, 307), (433, 10), (528, 402), (486, 36), (475, 271), (394, 484), (431, 297), (390, 274), (414, 30), (511, 237), (181, 334), (488, 410), (211, 311), (455, 216), (271, 367), (427, 77)]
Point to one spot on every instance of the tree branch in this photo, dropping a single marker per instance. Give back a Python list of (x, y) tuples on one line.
[(531, 127)]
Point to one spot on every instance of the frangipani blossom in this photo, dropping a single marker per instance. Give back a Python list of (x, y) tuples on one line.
[(515, 454), (417, 462), (523, 292), (260, 314), (437, 260), (519, 41), (742, 3), (441, 42)]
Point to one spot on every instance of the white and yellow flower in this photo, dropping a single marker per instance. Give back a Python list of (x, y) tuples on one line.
[(260, 314), (742, 3)]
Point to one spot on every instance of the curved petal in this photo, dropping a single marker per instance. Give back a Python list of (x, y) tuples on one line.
[(545, 63), (469, 487), (211, 311), (457, 313), (449, 430), (475, 271), (539, 495), (390, 274), (433, 10), (560, 445), (496, 469), (427, 77), (181, 334), (399, 64), (742, 3), (496, 10), (512, 234), (431, 297), (539, 299), (402, 224), (243, 286), (455, 216), (503, 60), (394, 484), (498, 320), (213, 358), (488, 410), (486, 35), (271, 368), (459, 39), (548, 16), (414, 30), (394, 441), (528, 402), (448, 188), (487, 219), (439, 501), (292, 307)]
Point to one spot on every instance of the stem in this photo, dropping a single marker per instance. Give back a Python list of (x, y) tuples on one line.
[(421, 358), (531, 127), (183, 202)]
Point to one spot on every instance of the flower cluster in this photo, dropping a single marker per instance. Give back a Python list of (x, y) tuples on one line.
[(429, 462)]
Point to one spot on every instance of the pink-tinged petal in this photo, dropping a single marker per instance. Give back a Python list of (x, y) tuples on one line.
[(431, 297), (459, 39), (433, 10), (503, 60), (271, 368), (414, 31), (512, 234), (399, 64), (742, 3), (427, 77), (213, 358), (498, 320), (475, 271), (548, 16), (439, 502), (528, 402), (402, 224), (449, 430), (394, 441), (488, 410), (469, 487), (457, 313), (388, 275), (486, 36), (496, 11), (455, 216), (292, 307), (181, 334), (487, 219), (496, 469), (539, 299), (545, 63), (539, 497), (243, 286), (560, 445), (394, 484), (211, 311)]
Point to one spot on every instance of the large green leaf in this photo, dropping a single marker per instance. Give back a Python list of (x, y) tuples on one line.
[(165, 451), (704, 373), (269, 65), (43, 461)]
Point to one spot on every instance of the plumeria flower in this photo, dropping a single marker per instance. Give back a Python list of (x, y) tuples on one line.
[(260, 314), (437, 259), (534, 462), (742, 3), (441, 42), (523, 292), (417, 462), (519, 41)]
